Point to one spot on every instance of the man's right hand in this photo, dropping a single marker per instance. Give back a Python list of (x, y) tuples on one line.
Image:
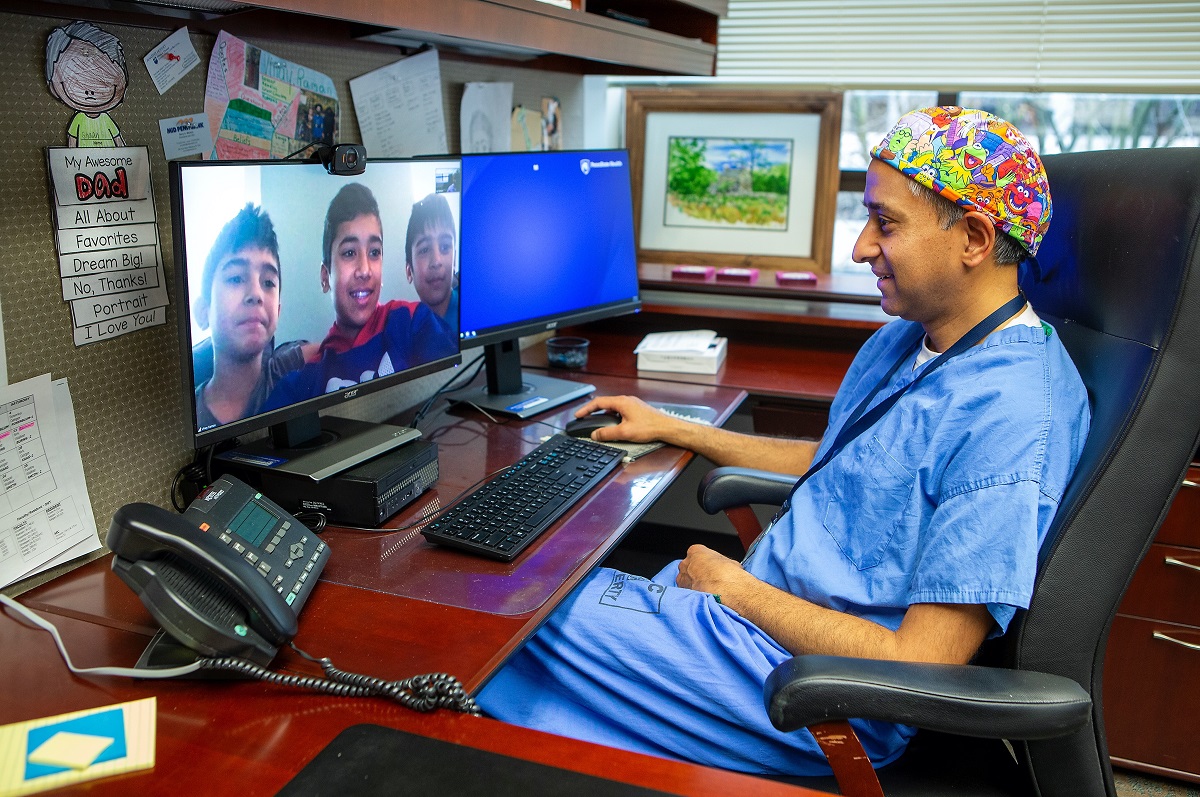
[(640, 423)]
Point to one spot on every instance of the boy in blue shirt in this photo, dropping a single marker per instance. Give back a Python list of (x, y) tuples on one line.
[(238, 364), (429, 256)]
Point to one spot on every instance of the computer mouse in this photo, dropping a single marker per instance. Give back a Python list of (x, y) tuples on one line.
[(583, 427)]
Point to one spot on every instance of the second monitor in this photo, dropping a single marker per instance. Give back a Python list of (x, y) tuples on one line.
[(547, 241)]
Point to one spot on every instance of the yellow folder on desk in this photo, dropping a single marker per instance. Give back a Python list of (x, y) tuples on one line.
[(52, 752)]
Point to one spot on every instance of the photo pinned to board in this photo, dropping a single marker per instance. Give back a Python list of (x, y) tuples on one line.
[(552, 136), (261, 106), (526, 130)]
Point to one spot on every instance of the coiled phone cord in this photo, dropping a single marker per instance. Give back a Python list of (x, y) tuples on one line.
[(420, 692)]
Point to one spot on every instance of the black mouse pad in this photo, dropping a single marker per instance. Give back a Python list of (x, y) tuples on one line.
[(369, 760)]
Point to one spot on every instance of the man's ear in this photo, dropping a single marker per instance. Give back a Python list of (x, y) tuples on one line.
[(408, 271), (980, 238), (200, 312), (324, 278)]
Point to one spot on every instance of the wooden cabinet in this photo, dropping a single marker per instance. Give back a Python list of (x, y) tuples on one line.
[(678, 37), (667, 37), (1151, 704)]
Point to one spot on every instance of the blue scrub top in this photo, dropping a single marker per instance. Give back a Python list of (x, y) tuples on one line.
[(945, 499)]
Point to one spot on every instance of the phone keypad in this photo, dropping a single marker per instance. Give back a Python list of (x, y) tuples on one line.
[(287, 554)]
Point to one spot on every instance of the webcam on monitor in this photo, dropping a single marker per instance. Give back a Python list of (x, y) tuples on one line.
[(343, 159)]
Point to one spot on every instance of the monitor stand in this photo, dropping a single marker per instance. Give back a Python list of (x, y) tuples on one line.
[(320, 447), (510, 391)]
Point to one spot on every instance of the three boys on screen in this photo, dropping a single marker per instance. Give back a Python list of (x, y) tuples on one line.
[(239, 371)]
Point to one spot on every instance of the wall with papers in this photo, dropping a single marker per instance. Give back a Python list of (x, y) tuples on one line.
[(126, 390)]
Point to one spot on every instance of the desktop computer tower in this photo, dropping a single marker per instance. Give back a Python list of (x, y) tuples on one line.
[(365, 495)]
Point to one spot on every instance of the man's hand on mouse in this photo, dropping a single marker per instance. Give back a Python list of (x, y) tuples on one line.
[(640, 423)]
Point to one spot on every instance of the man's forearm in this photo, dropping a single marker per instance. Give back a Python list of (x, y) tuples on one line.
[(746, 451), (802, 627), (931, 632), (641, 423)]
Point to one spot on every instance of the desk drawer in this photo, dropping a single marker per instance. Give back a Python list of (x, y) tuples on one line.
[(1166, 586), (1151, 704), (1182, 524)]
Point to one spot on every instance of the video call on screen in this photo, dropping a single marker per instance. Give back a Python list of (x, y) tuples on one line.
[(381, 300)]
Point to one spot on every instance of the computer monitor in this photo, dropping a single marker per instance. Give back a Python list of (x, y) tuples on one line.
[(547, 241), (290, 302)]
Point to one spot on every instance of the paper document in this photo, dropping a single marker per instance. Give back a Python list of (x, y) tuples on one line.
[(109, 254), (45, 514), (484, 117), (692, 340), (399, 108)]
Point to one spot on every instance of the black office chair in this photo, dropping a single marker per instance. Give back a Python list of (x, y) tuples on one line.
[(1120, 282)]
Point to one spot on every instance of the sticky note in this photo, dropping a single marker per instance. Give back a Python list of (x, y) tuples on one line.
[(52, 752), (66, 749)]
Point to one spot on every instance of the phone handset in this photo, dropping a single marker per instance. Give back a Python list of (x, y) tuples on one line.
[(227, 578)]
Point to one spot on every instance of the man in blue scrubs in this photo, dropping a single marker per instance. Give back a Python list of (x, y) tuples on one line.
[(913, 533)]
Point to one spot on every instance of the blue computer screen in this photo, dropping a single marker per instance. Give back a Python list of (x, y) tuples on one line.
[(544, 235)]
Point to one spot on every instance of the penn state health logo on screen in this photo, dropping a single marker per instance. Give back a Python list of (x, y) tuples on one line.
[(587, 164)]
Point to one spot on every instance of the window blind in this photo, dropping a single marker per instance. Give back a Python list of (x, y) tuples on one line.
[(951, 45)]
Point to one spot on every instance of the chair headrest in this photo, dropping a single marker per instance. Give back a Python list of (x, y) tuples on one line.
[(1124, 225)]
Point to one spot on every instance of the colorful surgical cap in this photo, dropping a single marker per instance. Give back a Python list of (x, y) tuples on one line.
[(976, 160)]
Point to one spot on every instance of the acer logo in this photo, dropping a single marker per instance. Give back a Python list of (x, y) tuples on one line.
[(349, 394)]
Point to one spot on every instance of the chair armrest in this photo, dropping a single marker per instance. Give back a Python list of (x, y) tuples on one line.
[(967, 700), (722, 488)]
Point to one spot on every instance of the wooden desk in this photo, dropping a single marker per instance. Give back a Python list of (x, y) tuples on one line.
[(254, 737), (773, 367)]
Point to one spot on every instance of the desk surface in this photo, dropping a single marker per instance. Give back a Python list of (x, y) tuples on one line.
[(761, 366), (258, 736)]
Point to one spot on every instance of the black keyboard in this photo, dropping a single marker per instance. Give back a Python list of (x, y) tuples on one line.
[(515, 506)]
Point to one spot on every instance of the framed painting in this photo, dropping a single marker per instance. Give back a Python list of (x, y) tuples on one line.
[(743, 177)]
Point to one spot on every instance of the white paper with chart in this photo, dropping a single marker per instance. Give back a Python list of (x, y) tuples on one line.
[(45, 512), (399, 108)]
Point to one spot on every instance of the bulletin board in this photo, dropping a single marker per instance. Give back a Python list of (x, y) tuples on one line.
[(127, 391)]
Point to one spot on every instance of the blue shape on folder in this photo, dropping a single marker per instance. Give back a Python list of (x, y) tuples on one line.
[(107, 724)]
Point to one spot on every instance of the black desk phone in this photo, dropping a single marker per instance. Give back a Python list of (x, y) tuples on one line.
[(228, 577)]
